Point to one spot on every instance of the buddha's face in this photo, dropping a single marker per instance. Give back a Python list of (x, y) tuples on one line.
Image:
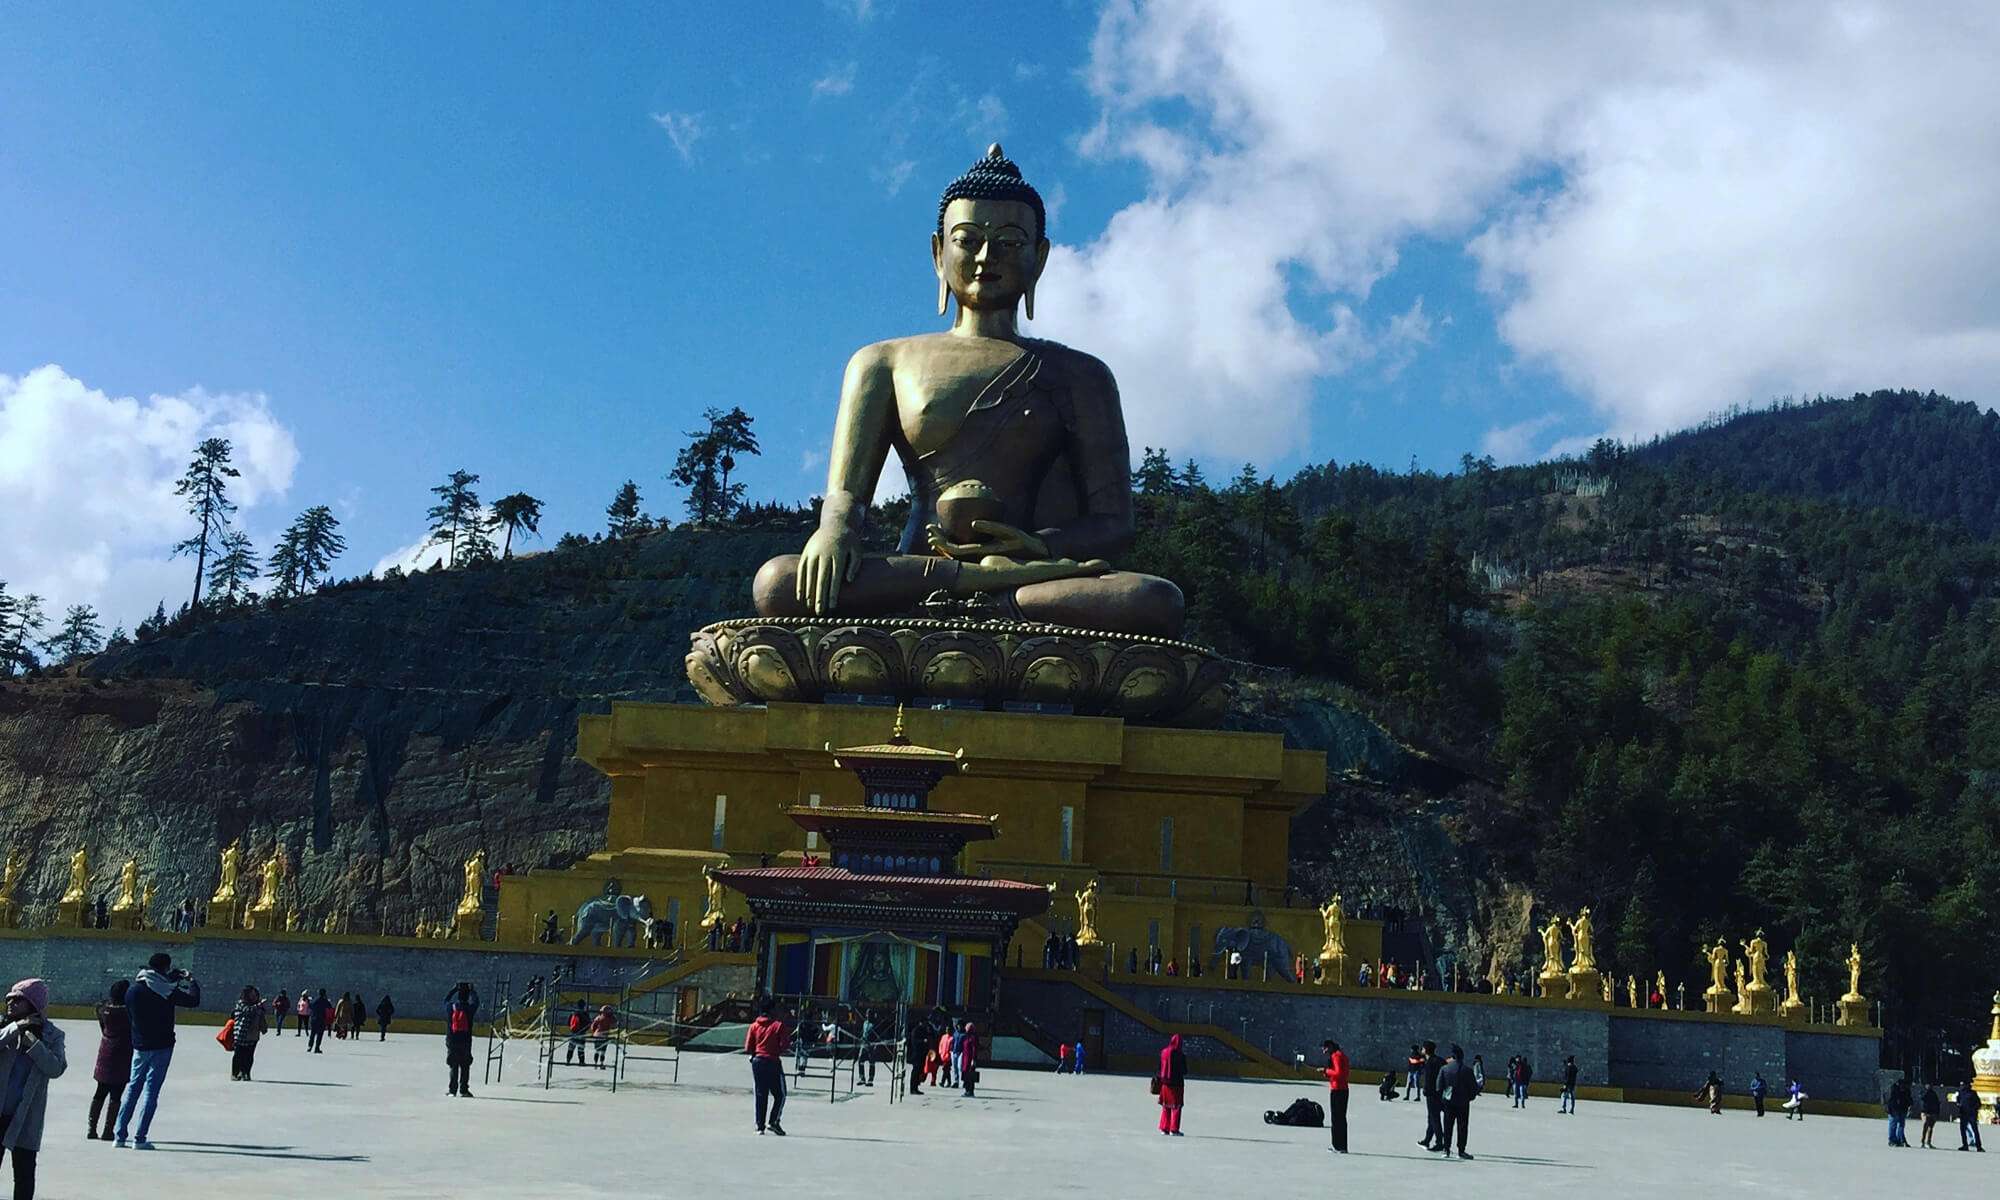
[(990, 252)]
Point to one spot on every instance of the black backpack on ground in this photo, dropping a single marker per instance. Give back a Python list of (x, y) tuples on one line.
[(1302, 1112)]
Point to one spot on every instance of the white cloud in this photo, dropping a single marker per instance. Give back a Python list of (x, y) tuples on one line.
[(683, 130), (1728, 203), (837, 82), (87, 486), (896, 174), (420, 555), (1517, 442)]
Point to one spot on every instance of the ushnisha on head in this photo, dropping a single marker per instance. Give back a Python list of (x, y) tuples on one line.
[(992, 238)]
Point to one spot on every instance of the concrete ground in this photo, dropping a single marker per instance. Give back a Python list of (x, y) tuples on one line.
[(371, 1119)]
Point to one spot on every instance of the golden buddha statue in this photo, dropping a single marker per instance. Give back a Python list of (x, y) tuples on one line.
[(1014, 447), (1794, 1006), (10, 881), (1631, 992), (1086, 914), (1853, 972), (1660, 986), (714, 916), (125, 910), (225, 891), (1717, 996), (1334, 920), (79, 878), (472, 900), (1586, 953)]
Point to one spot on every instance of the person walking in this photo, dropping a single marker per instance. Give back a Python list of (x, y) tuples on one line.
[(1413, 1083), (1523, 1075), (600, 1034), (304, 1014), (864, 1051), (1171, 1084), (31, 1054), (1795, 1101), (1433, 1138), (114, 1058), (461, 1008), (158, 990), (1076, 1058), (1931, 1104), (357, 1018), (343, 1014), (1455, 1092), (579, 1028), (1336, 1098), (248, 1016), (1711, 1091), (318, 1013), (916, 1036), (280, 1009), (1062, 1058), (765, 1044), (1967, 1101), (1758, 1090), (968, 1057), (385, 1012), (1568, 1104)]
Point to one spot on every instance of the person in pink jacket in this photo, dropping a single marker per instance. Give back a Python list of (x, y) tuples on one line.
[(304, 1010)]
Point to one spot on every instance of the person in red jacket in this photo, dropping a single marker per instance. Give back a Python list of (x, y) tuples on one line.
[(1336, 1100), (1173, 1085), (765, 1044)]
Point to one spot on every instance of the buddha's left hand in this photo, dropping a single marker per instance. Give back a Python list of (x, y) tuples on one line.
[(999, 539)]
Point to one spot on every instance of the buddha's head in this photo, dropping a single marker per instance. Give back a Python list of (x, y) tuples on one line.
[(992, 238)]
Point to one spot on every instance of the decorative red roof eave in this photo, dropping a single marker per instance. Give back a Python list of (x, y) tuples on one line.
[(837, 884)]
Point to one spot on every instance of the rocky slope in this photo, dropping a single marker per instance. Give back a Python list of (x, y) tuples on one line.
[(383, 730)]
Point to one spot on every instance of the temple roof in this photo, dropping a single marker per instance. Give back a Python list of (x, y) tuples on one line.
[(839, 885), (898, 749), (833, 820)]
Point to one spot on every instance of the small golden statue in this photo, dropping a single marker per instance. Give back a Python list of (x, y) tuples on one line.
[(79, 878), (1604, 985), (472, 901), (1717, 997), (146, 904), (1853, 1006), (1758, 991), (423, 928), (714, 916), (291, 920), (1333, 955), (224, 899), (1793, 1007), (1086, 914), (125, 910), (264, 911), (1586, 955), (331, 924), (1555, 982), (10, 881), (1631, 992)]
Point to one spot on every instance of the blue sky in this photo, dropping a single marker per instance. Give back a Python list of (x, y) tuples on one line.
[(534, 242)]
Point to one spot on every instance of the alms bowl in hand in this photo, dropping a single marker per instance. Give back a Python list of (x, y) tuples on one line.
[(963, 503)]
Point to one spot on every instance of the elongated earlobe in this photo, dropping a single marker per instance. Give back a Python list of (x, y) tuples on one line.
[(944, 297), (1031, 301)]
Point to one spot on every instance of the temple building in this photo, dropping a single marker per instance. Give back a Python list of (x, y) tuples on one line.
[(1186, 831)]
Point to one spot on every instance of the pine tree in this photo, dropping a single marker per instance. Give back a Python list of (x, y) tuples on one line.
[(704, 464), (285, 565), (455, 513), (154, 625), (20, 629), (319, 544), (78, 637), (1155, 476), (624, 511), (518, 513), (205, 486), (234, 567)]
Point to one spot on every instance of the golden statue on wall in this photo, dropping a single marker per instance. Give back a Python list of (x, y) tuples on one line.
[(79, 878), (1586, 953), (146, 901), (1758, 951), (1660, 986), (1853, 971), (1631, 992), (10, 882), (331, 924), (423, 927), (1086, 914), (1793, 1006), (125, 910), (1334, 920), (225, 891), (292, 920), (1742, 1006), (1853, 1006), (1552, 947), (472, 901), (1717, 997), (714, 915)]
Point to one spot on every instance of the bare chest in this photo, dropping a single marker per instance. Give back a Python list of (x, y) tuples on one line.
[(938, 383)]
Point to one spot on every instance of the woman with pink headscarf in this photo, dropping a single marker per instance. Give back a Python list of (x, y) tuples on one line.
[(1172, 1080), (31, 1054)]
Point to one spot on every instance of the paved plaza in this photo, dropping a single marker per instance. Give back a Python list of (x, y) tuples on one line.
[(371, 1119)]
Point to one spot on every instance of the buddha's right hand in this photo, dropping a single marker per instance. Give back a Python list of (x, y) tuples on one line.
[(828, 561)]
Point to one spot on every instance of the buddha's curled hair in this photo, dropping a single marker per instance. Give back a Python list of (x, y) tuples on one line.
[(995, 177)]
